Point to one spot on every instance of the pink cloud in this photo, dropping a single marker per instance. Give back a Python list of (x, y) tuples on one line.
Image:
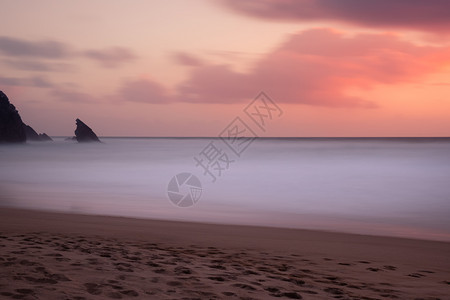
[(41, 55), (46, 49), (318, 67), (37, 66), (186, 59), (111, 57), (143, 90), (35, 81), (428, 15), (313, 67), (215, 83), (71, 95)]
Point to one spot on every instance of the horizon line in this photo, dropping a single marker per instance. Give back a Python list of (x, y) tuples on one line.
[(273, 137)]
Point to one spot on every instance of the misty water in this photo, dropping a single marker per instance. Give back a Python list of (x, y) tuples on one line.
[(396, 187)]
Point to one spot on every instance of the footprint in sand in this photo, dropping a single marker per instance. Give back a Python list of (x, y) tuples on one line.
[(93, 288), (216, 278), (291, 295), (131, 293), (306, 271), (309, 292), (41, 280), (114, 295), (28, 263), (250, 272), (244, 286), (416, 275), (275, 292), (174, 283), (373, 269), (334, 291), (182, 271), (153, 264), (284, 268), (333, 278), (25, 291), (132, 258), (218, 267), (116, 287), (425, 271), (294, 281)]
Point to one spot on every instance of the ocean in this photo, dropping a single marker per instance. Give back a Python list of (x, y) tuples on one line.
[(380, 186)]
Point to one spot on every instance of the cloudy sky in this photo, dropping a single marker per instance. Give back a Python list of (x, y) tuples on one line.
[(187, 68)]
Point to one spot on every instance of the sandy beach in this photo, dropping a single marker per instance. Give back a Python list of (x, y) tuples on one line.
[(48, 255), (238, 150)]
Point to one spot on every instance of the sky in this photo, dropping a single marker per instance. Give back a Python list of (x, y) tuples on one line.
[(345, 68)]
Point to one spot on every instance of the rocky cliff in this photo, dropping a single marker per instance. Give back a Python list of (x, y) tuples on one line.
[(11, 125)]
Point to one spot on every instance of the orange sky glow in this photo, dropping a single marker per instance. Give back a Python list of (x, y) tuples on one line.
[(187, 68)]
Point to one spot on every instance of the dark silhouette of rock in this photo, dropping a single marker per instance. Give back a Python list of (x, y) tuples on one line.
[(11, 125), (30, 133), (84, 133), (45, 138)]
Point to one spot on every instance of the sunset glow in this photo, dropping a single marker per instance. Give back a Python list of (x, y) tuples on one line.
[(186, 68)]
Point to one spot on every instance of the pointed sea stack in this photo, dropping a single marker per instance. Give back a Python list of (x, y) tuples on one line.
[(84, 133), (11, 125)]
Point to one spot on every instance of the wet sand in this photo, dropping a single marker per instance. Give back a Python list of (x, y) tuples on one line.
[(66, 256)]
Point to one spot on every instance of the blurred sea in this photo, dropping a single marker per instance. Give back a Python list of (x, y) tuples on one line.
[(381, 186)]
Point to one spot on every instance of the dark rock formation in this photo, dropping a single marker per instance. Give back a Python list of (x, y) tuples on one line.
[(12, 128), (32, 135), (84, 133), (11, 125), (44, 137)]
